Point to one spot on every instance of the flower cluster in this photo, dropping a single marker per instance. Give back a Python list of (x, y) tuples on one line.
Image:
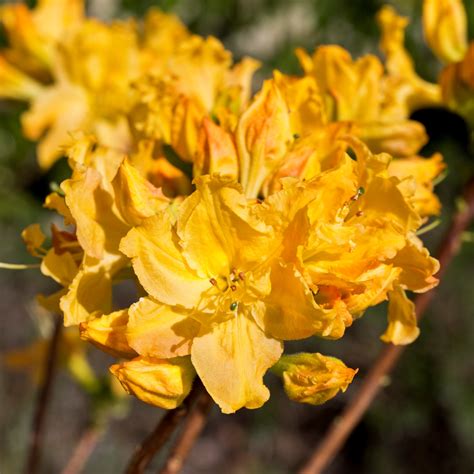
[(243, 220)]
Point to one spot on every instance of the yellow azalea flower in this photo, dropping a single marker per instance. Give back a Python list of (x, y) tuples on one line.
[(445, 28), (91, 91), (223, 289), (313, 378), (163, 383)]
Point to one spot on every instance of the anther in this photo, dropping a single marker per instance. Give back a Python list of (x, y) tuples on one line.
[(242, 276), (359, 213), (233, 287), (213, 281), (233, 306)]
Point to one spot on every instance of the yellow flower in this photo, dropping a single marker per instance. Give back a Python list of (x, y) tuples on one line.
[(313, 378), (224, 290), (445, 28)]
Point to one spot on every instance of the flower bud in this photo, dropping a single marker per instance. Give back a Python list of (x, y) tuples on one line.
[(161, 382), (313, 378)]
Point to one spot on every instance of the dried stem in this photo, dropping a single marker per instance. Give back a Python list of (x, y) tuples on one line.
[(192, 428), (83, 450), (44, 393), (343, 426), (155, 441)]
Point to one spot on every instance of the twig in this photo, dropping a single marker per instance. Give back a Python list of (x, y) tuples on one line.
[(155, 441), (192, 428), (34, 450), (83, 450), (343, 426)]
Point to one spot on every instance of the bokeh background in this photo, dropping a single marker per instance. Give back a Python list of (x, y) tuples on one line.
[(423, 420)]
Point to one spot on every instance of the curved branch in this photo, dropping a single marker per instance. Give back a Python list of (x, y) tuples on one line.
[(165, 428), (343, 425), (192, 428)]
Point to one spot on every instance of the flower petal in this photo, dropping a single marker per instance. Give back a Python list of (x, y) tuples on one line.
[(402, 326), (159, 264), (231, 360), (158, 330)]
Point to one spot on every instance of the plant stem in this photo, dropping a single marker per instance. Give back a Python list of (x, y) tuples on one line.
[(343, 425), (83, 450), (44, 393), (193, 426), (167, 425)]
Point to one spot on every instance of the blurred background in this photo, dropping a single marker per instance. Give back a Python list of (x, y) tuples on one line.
[(423, 420)]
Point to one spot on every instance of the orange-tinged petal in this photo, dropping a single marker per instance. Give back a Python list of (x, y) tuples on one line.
[(164, 383), (402, 326), (216, 152), (158, 330), (231, 360), (313, 378), (262, 136)]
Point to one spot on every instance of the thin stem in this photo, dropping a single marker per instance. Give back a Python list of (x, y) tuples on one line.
[(44, 393), (343, 426), (167, 425), (193, 426), (83, 450)]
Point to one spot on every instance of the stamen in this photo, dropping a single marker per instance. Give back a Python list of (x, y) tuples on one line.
[(242, 276), (233, 306), (213, 281), (233, 287)]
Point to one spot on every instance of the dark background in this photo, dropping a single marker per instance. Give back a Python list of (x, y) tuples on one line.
[(423, 420)]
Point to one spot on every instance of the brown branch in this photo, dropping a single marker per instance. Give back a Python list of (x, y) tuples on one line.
[(155, 441), (83, 450), (191, 430), (343, 426), (44, 393)]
